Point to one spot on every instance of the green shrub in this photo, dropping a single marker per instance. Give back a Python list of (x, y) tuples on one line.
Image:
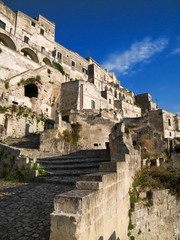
[(67, 136), (33, 80), (58, 67), (3, 109), (76, 128)]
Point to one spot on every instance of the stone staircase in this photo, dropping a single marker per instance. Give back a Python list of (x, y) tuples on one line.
[(31, 142), (67, 169)]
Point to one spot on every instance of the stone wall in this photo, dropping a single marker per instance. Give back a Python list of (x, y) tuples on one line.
[(78, 95), (95, 129), (98, 208), (22, 127), (51, 143), (165, 122), (8, 159), (161, 221), (12, 63), (128, 110)]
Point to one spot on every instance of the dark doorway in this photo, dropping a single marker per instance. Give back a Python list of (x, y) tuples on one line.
[(31, 90), (107, 145)]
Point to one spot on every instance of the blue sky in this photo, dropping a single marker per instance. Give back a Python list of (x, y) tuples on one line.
[(139, 40)]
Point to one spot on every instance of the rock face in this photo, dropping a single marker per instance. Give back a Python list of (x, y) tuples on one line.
[(158, 222)]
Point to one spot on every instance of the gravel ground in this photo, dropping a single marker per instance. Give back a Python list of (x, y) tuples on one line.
[(25, 209)]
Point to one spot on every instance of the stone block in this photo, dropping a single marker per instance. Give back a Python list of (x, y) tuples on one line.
[(88, 185), (70, 202)]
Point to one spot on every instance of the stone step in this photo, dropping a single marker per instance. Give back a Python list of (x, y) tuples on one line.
[(26, 142), (70, 180), (71, 161), (66, 167), (71, 172)]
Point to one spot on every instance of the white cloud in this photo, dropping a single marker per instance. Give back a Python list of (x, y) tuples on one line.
[(176, 51), (139, 52)]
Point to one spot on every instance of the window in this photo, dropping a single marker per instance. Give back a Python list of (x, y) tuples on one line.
[(99, 86), (42, 31), (92, 104), (33, 24), (65, 118), (84, 71), (115, 94), (59, 56), (2, 25), (170, 134), (109, 101), (54, 53), (26, 39), (73, 65), (169, 122), (42, 49)]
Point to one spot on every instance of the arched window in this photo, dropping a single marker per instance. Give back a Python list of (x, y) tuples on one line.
[(7, 41), (47, 62), (30, 53)]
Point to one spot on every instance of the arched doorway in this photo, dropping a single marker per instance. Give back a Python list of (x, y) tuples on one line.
[(7, 41), (47, 62), (31, 90), (30, 53)]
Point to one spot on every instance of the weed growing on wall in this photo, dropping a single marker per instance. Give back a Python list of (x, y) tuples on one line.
[(34, 80), (3, 109), (6, 84), (41, 171), (58, 67), (76, 128), (72, 136)]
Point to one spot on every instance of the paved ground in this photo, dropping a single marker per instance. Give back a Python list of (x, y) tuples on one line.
[(25, 210)]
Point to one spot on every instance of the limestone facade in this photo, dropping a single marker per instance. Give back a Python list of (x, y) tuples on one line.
[(28, 50)]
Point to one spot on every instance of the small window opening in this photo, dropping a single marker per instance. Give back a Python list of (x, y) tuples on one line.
[(169, 122), (84, 71), (14, 102), (95, 144), (42, 31), (33, 24), (73, 65), (65, 118), (92, 104), (42, 49), (109, 101), (59, 56), (2, 25), (26, 39)]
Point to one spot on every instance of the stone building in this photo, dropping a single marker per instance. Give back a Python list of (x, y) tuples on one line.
[(145, 101), (38, 73)]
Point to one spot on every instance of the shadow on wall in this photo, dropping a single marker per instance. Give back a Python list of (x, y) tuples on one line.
[(112, 237)]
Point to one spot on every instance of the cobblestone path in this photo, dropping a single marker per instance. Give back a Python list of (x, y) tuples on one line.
[(25, 210)]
